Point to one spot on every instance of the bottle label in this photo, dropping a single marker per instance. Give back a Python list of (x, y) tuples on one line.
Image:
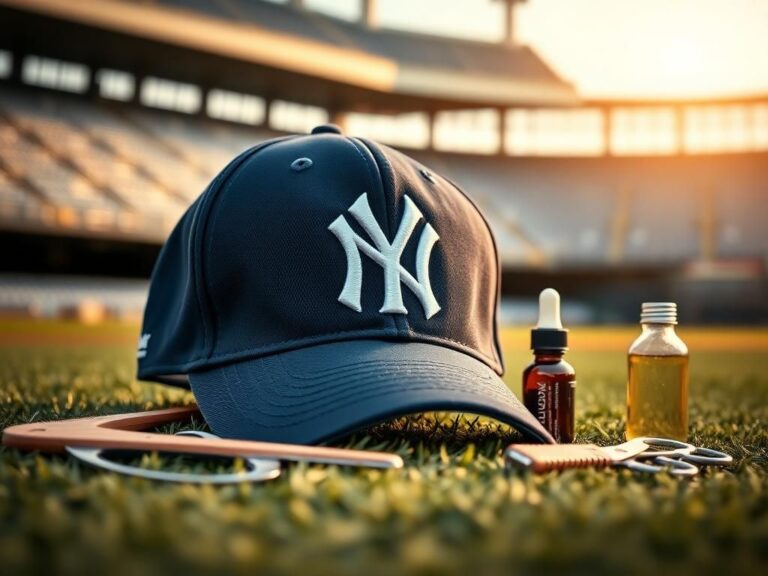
[(553, 407)]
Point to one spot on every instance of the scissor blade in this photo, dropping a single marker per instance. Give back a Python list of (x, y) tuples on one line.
[(625, 451)]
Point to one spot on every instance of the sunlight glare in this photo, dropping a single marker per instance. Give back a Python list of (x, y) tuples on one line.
[(683, 64)]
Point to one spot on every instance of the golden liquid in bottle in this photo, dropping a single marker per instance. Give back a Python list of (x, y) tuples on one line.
[(657, 397)]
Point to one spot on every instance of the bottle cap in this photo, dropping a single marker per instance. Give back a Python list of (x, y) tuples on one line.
[(658, 313), (549, 333)]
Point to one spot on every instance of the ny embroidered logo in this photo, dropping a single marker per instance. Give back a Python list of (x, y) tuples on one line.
[(387, 256)]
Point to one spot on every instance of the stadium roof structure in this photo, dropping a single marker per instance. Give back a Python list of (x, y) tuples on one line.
[(315, 59)]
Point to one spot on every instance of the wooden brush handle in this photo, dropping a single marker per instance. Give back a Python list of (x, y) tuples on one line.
[(546, 457), (126, 432)]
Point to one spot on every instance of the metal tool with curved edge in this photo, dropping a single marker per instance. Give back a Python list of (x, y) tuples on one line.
[(129, 432), (257, 470)]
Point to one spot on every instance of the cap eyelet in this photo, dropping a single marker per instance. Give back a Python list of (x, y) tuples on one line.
[(427, 175), (301, 164)]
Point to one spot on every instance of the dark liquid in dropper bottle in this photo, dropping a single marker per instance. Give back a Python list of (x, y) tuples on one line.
[(549, 385)]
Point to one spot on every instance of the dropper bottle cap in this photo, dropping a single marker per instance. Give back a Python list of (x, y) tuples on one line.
[(549, 333)]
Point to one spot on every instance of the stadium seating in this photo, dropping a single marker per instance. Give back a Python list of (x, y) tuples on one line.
[(553, 216), (72, 163), (618, 211), (42, 295)]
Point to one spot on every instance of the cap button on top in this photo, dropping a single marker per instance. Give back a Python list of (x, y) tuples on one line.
[(326, 129)]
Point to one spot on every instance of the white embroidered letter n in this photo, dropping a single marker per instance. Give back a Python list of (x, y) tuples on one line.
[(387, 256)]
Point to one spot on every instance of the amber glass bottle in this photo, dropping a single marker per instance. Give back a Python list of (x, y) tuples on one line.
[(549, 382), (657, 387)]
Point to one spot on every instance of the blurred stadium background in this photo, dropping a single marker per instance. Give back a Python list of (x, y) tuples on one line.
[(115, 115)]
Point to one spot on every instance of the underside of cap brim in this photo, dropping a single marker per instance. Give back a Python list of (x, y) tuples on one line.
[(316, 394)]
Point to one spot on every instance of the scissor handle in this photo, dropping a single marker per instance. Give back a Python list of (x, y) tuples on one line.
[(675, 466), (684, 451), (677, 448), (708, 457)]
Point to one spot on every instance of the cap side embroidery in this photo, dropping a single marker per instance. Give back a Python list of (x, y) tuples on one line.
[(143, 345)]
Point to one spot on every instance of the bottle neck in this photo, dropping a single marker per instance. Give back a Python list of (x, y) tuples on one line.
[(544, 356), (661, 329), (658, 340)]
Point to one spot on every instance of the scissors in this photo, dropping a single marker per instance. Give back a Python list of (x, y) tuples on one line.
[(679, 458), (643, 454)]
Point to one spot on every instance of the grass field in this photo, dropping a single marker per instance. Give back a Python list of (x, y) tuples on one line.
[(450, 510)]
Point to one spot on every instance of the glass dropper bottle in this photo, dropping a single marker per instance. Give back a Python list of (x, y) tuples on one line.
[(549, 382)]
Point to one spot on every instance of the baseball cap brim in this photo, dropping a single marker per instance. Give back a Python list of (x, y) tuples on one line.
[(315, 394)]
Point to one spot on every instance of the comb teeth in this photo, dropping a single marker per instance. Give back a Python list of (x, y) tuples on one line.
[(658, 313)]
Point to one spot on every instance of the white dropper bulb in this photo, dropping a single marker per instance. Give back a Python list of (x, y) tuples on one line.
[(549, 310)]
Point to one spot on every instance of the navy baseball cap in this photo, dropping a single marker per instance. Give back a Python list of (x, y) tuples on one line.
[(322, 284)]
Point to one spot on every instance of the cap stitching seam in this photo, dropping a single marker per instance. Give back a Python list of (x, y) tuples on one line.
[(199, 230), (375, 175), (390, 217), (376, 334), (291, 340), (331, 400), (306, 415), (496, 348), (211, 223), (193, 266), (213, 189), (401, 323), (407, 365)]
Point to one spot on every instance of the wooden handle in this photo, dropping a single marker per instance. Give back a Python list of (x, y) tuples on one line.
[(546, 457), (126, 432)]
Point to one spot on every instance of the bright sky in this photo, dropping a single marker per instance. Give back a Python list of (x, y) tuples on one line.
[(612, 48)]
